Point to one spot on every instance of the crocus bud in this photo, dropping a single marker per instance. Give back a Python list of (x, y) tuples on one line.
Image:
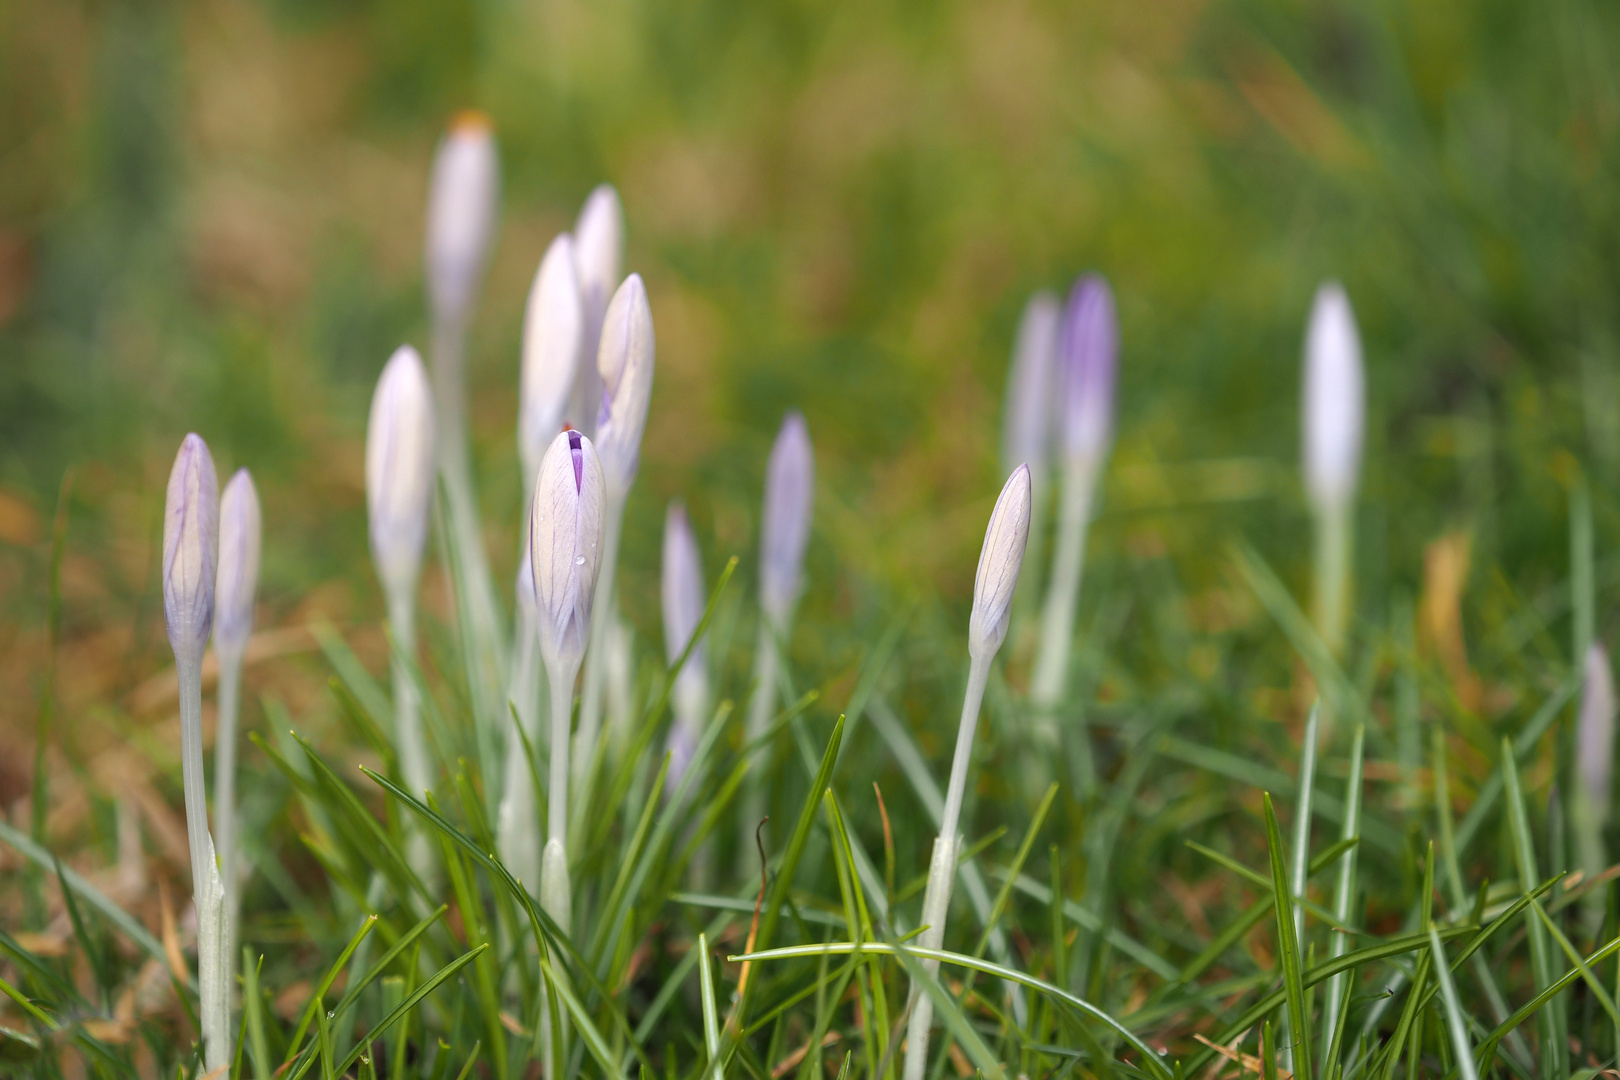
[(999, 562), (565, 533), (553, 330), (1594, 760), (461, 214), (682, 587), (399, 468), (238, 577), (599, 259), (1088, 350), (790, 485), (625, 361), (1334, 403), (190, 548), (1027, 425)]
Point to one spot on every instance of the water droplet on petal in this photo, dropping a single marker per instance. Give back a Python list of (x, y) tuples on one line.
[(579, 560)]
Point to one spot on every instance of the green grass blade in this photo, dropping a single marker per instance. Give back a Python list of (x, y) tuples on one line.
[(432, 984), (1524, 857), (1288, 947), (325, 985), (711, 1012)]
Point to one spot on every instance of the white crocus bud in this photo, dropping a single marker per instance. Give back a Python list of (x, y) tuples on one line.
[(599, 258), (190, 549), (553, 336), (790, 485), (683, 604), (999, 562), (1026, 432), (238, 574), (461, 215), (625, 361), (399, 469), (1594, 738), (565, 533), (1334, 404)]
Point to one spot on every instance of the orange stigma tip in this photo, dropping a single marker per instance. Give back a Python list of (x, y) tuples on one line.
[(567, 426), (471, 120)]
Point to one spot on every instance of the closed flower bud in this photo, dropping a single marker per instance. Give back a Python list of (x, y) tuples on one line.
[(1594, 760), (1027, 424), (682, 588), (565, 533), (553, 332), (399, 468), (999, 563), (625, 361), (1334, 404), (599, 260), (238, 577), (190, 548), (461, 214), (790, 487), (1088, 350)]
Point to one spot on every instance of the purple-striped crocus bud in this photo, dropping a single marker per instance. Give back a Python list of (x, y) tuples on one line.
[(1594, 730), (461, 214), (999, 562), (553, 332), (790, 487), (625, 361), (1334, 404), (238, 575), (1027, 422), (565, 540), (190, 548), (599, 260), (399, 468), (682, 588), (1088, 360)]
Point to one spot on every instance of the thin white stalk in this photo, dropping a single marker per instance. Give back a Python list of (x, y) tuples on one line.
[(942, 869), (555, 895), (207, 889), (1063, 591), (228, 701), (1332, 586), (1302, 819), (409, 741), (590, 702), (516, 836), (1344, 893), (760, 707)]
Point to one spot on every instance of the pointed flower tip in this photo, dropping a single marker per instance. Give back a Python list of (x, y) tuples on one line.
[(1089, 359), (1027, 419), (1000, 560), (565, 535), (240, 540), (461, 213), (190, 548), (399, 468), (553, 338), (1334, 400), (625, 361), (790, 485)]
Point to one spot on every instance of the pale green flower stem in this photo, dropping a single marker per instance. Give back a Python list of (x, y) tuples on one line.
[(409, 740), (208, 892), (590, 702), (1063, 592), (228, 700), (516, 835), (760, 707), (942, 870), (1331, 595)]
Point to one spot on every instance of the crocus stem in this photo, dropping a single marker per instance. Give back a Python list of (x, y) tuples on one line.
[(562, 709), (1332, 575), (409, 741), (942, 869), (759, 718), (590, 702), (1063, 592), (207, 891), (517, 837), (229, 705)]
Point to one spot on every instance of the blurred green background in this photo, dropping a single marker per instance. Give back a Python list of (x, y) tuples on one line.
[(211, 218)]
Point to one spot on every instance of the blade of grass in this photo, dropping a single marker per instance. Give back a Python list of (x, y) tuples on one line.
[(711, 1013), (1344, 894), (1288, 946), (1524, 857)]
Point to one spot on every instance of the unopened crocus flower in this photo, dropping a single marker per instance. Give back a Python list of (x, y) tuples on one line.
[(399, 491), (553, 336), (235, 585), (683, 604), (461, 215), (790, 485), (1026, 428), (1594, 768), (624, 359), (1000, 560), (599, 258), (565, 548), (1088, 361), (190, 554), (1333, 410)]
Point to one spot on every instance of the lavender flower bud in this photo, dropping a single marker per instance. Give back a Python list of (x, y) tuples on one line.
[(682, 586), (1594, 731), (599, 259), (1027, 424), (553, 331), (461, 214), (190, 548), (1088, 351), (790, 486), (565, 533), (999, 563), (625, 361), (238, 577), (1334, 401), (399, 468)]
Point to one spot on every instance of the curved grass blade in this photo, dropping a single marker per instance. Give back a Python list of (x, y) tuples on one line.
[(1455, 1023), (1288, 947)]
